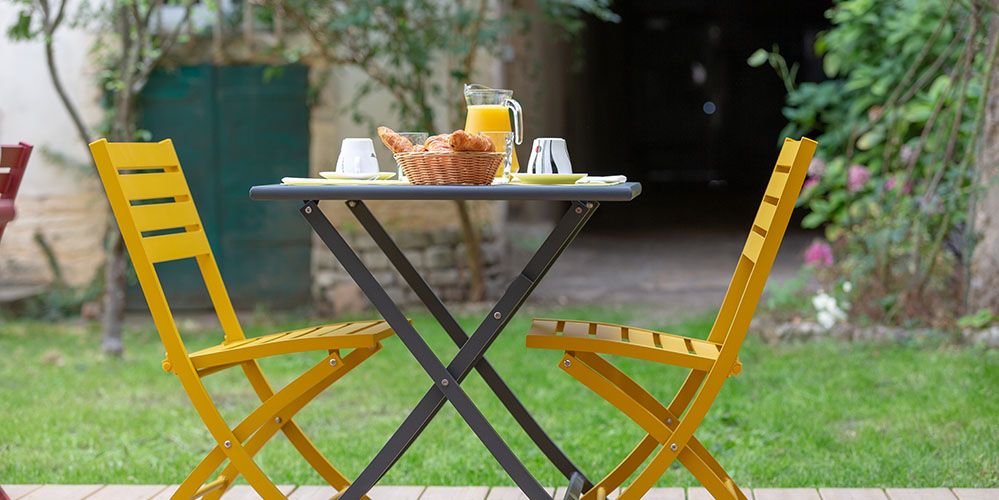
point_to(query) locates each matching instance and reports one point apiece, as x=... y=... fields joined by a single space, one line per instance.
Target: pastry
x=439 y=143
x=395 y=142
x=463 y=141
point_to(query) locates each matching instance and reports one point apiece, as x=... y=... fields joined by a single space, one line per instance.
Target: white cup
x=549 y=155
x=357 y=156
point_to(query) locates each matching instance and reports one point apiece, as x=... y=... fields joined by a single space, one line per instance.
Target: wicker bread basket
x=434 y=168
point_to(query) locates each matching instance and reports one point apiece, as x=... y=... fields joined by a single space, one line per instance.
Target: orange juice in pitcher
x=489 y=110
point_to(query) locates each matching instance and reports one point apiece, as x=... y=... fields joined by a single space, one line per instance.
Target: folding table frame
x=471 y=353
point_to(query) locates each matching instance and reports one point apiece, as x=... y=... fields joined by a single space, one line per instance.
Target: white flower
x=826 y=320
x=847 y=287
x=828 y=312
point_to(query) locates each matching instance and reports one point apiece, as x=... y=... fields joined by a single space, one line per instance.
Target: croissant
x=394 y=141
x=439 y=143
x=463 y=141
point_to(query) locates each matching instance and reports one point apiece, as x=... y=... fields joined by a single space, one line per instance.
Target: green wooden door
x=233 y=127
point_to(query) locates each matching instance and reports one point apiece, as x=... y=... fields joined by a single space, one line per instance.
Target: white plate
x=547 y=178
x=380 y=176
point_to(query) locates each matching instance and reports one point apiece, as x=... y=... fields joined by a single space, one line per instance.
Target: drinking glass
x=416 y=138
x=502 y=143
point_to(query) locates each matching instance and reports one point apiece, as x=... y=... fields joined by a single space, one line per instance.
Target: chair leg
x=617 y=388
x=294 y=433
x=234 y=451
x=262 y=424
x=667 y=415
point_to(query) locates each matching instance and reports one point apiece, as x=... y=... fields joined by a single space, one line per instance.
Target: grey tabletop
x=619 y=192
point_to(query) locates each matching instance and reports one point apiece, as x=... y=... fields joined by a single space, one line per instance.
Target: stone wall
x=60 y=197
x=438 y=254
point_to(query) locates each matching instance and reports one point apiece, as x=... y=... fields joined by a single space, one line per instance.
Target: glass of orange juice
x=494 y=110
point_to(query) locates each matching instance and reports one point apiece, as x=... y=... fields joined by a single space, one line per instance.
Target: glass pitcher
x=489 y=110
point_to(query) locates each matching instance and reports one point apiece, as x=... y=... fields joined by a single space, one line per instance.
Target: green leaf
x=758 y=58
x=870 y=139
x=813 y=220
x=830 y=65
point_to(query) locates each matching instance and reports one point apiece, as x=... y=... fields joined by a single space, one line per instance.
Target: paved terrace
x=129 y=492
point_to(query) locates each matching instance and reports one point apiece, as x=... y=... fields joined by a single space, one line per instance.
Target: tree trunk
x=984 y=284
x=114 y=297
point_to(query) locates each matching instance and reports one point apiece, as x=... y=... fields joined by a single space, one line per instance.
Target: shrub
x=898 y=121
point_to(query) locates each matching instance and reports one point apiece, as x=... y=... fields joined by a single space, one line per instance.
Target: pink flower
x=856 y=177
x=906 y=153
x=817 y=168
x=810 y=182
x=891 y=184
x=819 y=254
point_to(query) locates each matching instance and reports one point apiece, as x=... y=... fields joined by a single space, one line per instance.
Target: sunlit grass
x=816 y=414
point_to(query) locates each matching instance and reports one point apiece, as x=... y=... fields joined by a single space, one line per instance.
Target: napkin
x=603 y=180
x=309 y=181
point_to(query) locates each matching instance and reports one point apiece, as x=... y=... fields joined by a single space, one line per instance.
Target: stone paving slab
x=243 y=492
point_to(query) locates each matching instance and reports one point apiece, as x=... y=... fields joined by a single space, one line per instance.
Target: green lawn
x=816 y=414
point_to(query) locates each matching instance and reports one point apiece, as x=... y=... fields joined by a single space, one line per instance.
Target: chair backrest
x=757 y=257
x=152 y=204
x=13 y=161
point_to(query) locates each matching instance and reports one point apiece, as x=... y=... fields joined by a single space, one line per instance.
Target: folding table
x=446 y=380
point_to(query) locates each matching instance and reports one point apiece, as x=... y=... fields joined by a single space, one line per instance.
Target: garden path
x=671 y=274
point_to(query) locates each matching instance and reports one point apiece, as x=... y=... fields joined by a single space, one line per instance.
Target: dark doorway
x=233 y=127
x=666 y=97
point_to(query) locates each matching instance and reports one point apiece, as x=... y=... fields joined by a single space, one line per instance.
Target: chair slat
x=165 y=215
x=139 y=155
x=176 y=246
x=641 y=337
x=672 y=343
x=543 y=327
x=704 y=349
x=787 y=153
x=609 y=332
x=154 y=185
x=777 y=182
x=576 y=329
x=754 y=244
x=765 y=216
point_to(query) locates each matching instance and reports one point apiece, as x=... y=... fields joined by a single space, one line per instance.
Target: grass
x=816 y=414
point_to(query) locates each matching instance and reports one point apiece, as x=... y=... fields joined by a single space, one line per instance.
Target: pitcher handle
x=518 y=120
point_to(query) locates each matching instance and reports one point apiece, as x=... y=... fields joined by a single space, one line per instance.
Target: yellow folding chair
x=152 y=204
x=710 y=361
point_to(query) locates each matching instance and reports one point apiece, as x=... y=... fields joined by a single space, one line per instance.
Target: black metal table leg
x=472 y=350
x=433 y=303
x=446 y=386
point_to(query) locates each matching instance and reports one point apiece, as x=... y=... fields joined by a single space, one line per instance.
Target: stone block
x=376 y=260
x=445 y=277
x=412 y=239
x=438 y=257
x=445 y=236
x=417 y=257
x=346 y=298
x=385 y=278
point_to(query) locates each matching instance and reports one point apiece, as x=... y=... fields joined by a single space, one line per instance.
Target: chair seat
x=351 y=335
x=619 y=340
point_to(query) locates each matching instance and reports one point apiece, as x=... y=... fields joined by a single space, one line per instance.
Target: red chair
x=13 y=160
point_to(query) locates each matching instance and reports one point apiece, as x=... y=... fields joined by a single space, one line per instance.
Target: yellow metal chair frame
x=710 y=361
x=150 y=174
